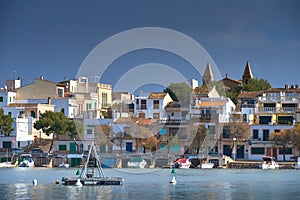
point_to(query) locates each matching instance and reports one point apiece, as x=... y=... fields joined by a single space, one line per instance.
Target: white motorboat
x=269 y=163
x=182 y=163
x=64 y=165
x=207 y=165
x=136 y=162
x=26 y=160
x=297 y=166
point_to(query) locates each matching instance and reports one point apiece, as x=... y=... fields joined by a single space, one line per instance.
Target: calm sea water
x=16 y=183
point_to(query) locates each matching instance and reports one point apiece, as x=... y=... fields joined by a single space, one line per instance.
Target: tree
x=179 y=92
x=283 y=138
x=296 y=136
x=254 y=85
x=146 y=138
x=239 y=130
x=199 y=133
x=55 y=123
x=5 y=123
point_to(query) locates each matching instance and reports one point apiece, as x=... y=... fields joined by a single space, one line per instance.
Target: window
x=226 y=132
x=286 y=151
x=285 y=119
x=266 y=135
x=60 y=92
x=104 y=100
x=244 y=117
x=143 y=104
x=62 y=147
x=1 y=99
x=255 y=133
x=155 y=115
x=258 y=150
x=156 y=104
x=265 y=119
x=6 y=145
x=89 y=131
x=33 y=114
x=62 y=110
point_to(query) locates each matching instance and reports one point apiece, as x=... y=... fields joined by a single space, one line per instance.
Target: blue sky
x=52 y=38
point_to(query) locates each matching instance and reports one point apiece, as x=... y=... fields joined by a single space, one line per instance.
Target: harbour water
x=16 y=183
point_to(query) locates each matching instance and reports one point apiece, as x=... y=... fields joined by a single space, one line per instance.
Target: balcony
x=205 y=117
x=276 y=109
x=173 y=122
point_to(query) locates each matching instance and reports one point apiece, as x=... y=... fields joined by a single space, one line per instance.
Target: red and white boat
x=182 y=163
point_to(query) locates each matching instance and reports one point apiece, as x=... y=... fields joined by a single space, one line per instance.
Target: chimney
x=292 y=86
x=49 y=100
x=286 y=86
x=296 y=86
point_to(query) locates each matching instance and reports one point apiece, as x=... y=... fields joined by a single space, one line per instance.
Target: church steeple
x=247 y=76
x=208 y=76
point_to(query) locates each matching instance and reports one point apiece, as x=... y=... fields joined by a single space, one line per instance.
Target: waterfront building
x=275 y=110
x=122 y=105
x=210 y=109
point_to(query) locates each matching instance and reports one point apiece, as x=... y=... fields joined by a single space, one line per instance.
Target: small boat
x=64 y=165
x=92 y=173
x=136 y=162
x=26 y=160
x=108 y=163
x=207 y=165
x=297 y=166
x=182 y=163
x=268 y=163
x=6 y=165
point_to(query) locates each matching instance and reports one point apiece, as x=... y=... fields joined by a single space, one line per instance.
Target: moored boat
x=268 y=163
x=136 y=162
x=26 y=160
x=207 y=165
x=92 y=173
x=182 y=163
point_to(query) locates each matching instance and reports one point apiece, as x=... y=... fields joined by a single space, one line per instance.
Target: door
x=129 y=146
x=275 y=153
x=227 y=150
x=268 y=152
x=72 y=147
x=240 y=151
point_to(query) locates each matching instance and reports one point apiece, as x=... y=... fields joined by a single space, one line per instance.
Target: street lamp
x=234 y=148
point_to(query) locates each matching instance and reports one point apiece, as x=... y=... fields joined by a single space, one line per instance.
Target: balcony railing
x=205 y=117
x=275 y=109
x=173 y=122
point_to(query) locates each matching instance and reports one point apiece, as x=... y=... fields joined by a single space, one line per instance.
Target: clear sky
x=52 y=38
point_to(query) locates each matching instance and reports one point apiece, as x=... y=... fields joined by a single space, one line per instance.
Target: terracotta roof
x=248 y=95
x=211 y=103
x=173 y=104
x=231 y=80
x=126 y=120
x=201 y=90
x=157 y=95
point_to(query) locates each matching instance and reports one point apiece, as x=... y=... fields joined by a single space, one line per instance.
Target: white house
x=152 y=105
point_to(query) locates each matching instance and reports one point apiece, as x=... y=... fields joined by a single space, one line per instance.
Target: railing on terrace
x=173 y=122
x=275 y=109
x=248 y=105
x=205 y=117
